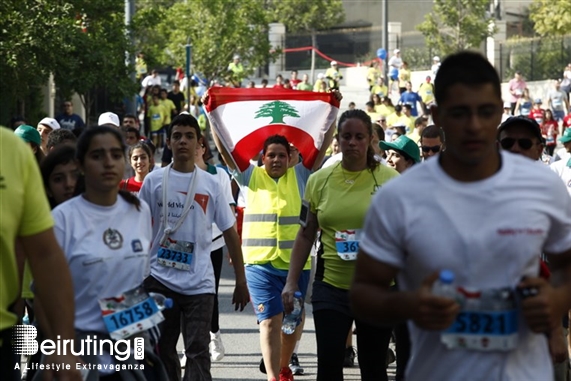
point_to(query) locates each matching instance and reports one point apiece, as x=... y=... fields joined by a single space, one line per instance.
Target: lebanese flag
x=244 y=118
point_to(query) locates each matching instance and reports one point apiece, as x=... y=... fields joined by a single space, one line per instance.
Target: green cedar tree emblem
x=276 y=110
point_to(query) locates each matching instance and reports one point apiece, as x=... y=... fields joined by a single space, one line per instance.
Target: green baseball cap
x=29 y=134
x=403 y=145
x=566 y=137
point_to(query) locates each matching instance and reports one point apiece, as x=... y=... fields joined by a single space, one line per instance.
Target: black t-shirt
x=177 y=99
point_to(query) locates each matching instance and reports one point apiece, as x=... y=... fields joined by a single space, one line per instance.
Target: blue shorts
x=558 y=115
x=266 y=284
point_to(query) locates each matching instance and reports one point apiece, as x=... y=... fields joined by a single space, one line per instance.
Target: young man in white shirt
x=181 y=269
x=488 y=217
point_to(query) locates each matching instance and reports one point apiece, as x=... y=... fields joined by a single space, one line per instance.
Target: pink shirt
x=516 y=89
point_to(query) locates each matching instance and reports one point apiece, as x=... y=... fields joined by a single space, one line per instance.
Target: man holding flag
x=273 y=192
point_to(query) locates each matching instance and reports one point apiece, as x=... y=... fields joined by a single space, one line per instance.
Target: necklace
x=349 y=181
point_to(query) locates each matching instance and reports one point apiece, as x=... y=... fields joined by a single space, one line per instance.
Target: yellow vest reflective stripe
x=271 y=218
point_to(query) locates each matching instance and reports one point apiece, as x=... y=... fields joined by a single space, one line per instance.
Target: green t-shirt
x=304 y=86
x=331 y=196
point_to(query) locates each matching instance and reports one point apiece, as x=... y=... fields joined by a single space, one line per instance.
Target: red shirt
x=567 y=121
x=131 y=185
x=537 y=114
x=295 y=82
x=549 y=130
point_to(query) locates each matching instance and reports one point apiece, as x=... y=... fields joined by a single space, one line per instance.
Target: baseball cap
x=320 y=76
x=537 y=101
x=507 y=105
x=333 y=63
x=236 y=57
x=403 y=145
x=29 y=134
x=109 y=118
x=436 y=58
x=51 y=123
x=566 y=137
x=396 y=51
x=523 y=121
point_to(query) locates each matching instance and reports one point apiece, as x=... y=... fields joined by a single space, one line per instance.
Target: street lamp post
x=188 y=57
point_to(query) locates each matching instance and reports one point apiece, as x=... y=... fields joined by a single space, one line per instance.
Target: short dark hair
x=276 y=139
x=264 y=81
x=132 y=116
x=432 y=132
x=56 y=137
x=184 y=120
x=133 y=129
x=466 y=68
x=418 y=121
x=61 y=155
x=176 y=82
x=370 y=104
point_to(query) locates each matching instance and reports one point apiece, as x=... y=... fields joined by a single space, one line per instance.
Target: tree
x=95 y=58
x=276 y=110
x=307 y=16
x=455 y=25
x=551 y=17
x=216 y=29
x=33 y=36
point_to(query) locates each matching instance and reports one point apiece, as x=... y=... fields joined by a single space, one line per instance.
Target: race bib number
x=347 y=244
x=132 y=312
x=487 y=323
x=176 y=255
x=156 y=116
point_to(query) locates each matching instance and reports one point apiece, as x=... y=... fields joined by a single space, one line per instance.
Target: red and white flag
x=244 y=118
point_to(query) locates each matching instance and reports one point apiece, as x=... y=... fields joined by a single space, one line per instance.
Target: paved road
x=240 y=337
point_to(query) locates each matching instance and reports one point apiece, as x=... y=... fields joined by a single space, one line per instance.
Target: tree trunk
x=314 y=46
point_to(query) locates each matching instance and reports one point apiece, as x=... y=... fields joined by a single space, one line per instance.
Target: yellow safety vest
x=271 y=219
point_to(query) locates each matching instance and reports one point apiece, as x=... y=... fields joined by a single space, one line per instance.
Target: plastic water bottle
x=444 y=285
x=290 y=320
x=161 y=300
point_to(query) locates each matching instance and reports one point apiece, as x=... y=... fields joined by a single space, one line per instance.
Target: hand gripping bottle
x=291 y=320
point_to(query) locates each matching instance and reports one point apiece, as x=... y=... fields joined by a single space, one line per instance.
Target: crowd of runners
x=451 y=177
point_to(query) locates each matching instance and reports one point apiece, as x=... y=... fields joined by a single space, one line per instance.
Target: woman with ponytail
x=337 y=199
x=105 y=234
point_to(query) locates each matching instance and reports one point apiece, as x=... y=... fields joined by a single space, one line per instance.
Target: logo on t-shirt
x=136 y=245
x=202 y=200
x=113 y=239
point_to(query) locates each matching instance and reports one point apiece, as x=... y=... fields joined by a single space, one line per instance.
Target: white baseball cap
x=51 y=123
x=109 y=118
x=507 y=105
x=333 y=63
x=396 y=51
x=320 y=76
x=436 y=58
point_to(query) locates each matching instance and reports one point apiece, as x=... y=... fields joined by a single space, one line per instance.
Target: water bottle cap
x=168 y=303
x=297 y=294
x=446 y=276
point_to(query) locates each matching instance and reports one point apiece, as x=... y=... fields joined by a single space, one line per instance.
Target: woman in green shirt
x=339 y=197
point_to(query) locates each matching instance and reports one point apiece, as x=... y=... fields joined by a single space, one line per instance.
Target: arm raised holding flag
x=245 y=121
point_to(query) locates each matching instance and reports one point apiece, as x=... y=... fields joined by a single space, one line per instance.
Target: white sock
x=296 y=347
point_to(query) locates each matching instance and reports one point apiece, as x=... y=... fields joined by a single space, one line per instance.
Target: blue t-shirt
x=410 y=98
x=70 y=122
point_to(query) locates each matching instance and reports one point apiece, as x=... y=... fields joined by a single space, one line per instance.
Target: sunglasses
x=434 y=149
x=508 y=143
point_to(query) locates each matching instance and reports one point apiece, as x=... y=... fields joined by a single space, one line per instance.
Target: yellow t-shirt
x=404 y=77
x=330 y=196
x=157 y=115
x=372 y=74
x=169 y=107
x=426 y=92
x=24 y=211
x=374 y=116
x=384 y=110
x=381 y=90
x=317 y=85
x=402 y=120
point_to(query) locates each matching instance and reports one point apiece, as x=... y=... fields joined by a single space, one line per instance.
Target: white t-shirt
x=104 y=263
x=224 y=179
x=561 y=154
x=151 y=81
x=209 y=205
x=490 y=233
x=563 y=171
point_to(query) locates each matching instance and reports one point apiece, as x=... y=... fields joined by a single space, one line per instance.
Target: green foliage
x=32 y=34
x=96 y=55
x=537 y=59
x=216 y=29
x=276 y=110
x=456 y=25
x=551 y=17
x=307 y=15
